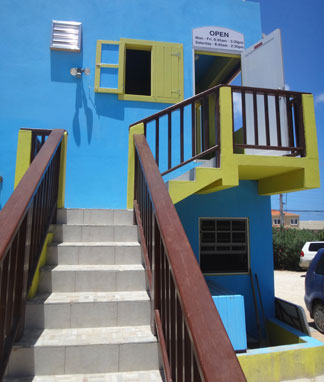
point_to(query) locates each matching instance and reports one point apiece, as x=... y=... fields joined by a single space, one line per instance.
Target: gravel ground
x=290 y=286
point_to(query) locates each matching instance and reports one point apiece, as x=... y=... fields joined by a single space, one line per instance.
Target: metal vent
x=66 y=35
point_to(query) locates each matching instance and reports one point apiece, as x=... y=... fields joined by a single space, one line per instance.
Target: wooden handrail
x=208 y=92
x=24 y=222
x=16 y=207
x=213 y=356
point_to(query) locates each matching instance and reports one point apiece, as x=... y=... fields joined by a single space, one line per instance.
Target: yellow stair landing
x=274 y=175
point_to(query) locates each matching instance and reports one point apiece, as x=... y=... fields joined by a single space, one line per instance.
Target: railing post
x=226 y=120
x=24 y=268
x=62 y=172
x=136 y=129
x=24 y=147
x=155 y=291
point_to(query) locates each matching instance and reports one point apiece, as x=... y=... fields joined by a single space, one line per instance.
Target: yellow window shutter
x=167 y=72
x=109 y=76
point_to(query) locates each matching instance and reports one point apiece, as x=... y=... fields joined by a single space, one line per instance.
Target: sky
x=302 y=31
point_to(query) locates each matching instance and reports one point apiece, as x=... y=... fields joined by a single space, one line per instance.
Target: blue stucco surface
x=37 y=90
x=245 y=202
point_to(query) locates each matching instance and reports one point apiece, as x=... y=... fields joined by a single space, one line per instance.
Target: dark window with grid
x=224 y=245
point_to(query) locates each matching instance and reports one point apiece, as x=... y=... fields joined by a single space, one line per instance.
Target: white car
x=308 y=252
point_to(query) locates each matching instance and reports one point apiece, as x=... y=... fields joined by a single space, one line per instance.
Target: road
x=290 y=286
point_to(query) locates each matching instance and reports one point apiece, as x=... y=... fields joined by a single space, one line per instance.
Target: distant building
x=316 y=225
x=290 y=220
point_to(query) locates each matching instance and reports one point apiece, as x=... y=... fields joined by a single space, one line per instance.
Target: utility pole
x=282 y=222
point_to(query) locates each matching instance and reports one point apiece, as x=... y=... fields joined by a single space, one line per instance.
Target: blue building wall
x=244 y=202
x=37 y=90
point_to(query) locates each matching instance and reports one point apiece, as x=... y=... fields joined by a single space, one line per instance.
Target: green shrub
x=288 y=243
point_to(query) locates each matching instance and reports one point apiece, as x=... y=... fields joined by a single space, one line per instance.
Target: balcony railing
x=269 y=120
x=264 y=121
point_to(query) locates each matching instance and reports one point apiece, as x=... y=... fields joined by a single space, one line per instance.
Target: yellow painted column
x=228 y=162
x=136 y=129
x=61 y=190
x=309 y=126
x=23 y=154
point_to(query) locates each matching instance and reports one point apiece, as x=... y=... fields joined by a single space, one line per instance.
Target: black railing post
x=24 y=268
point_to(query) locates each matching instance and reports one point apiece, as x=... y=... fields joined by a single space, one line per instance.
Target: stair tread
x=137 y=376
x=94 y=267
x=86 y=336
x=95 y=225
x=95 y=244
x=80 y=297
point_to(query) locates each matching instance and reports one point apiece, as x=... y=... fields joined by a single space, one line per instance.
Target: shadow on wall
x=81 y=98
x=108 y=105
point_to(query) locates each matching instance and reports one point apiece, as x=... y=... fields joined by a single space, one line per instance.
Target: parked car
x=308 y=252
x=314 y=290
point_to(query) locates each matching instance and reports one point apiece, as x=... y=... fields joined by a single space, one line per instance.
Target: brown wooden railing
x=195 y=121
x=24 y=222
x=194 y=343
x=266 y=119
x=39 y=137
x=270 y=120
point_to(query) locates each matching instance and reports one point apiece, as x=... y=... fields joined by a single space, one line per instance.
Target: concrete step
x=94 y=233
x=92 y=278
x=94 y=253
x=190 y=175
x=84 y=351
x=94 y=216
x=86 y=310
x=135 y=376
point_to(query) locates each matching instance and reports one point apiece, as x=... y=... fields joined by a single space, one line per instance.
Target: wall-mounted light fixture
x=66 y=35
x=77 y=72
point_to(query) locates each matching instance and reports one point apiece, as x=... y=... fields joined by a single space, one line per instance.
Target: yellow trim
x=62 y=174
x=274 y=174
x=136 y=129
x=283 y=365
x=166 y=70
x=42 y=260
x=113 y=66
x=97 y=69
x=23 y=154
x=100 y=65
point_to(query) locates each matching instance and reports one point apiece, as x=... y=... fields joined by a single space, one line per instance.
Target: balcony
x=231 y=133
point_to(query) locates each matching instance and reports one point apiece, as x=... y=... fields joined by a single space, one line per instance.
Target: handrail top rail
x=14 y=210
x=37 y=130
x=212 y=90
x=198 y=308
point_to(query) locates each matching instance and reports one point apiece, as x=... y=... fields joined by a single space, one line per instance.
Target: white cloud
x=319 y=98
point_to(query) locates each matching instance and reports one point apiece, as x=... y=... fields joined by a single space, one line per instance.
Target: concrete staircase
x=90 y=320
x=202 y=179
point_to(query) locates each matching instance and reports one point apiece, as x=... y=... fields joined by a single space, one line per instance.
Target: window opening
x=138 y=72
x=320 y=266
x=294 y=221
x=224 y=245
x=276 y=221
x=314 y=247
